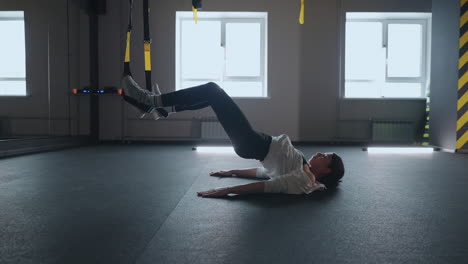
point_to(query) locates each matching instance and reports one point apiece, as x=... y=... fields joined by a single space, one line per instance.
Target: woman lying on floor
x=285 y=166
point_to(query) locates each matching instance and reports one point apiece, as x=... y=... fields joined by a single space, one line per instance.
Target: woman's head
x=328 y=168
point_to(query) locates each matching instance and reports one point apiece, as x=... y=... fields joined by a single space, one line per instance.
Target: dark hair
x=332 y=179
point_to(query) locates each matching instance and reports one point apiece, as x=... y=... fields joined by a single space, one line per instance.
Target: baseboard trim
x=16 y=147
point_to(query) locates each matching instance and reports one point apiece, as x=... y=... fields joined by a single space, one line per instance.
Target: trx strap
x=127 y=70
x=196 y=5
x=301 y=14
x=147 y=52
x=147 y=44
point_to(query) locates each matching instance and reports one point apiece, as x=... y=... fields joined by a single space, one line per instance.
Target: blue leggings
x=247 y=142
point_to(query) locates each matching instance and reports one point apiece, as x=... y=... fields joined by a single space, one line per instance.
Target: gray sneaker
x=158 y=112
x=136 y=96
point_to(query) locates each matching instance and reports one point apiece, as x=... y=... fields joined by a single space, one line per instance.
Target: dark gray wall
x=444 y=75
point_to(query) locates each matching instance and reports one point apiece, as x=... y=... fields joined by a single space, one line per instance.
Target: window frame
x=4 y=17
x=386 y=19
x=224 y=18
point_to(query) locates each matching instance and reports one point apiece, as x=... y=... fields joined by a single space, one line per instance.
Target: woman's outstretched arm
x=255 y=187
x=242 y=172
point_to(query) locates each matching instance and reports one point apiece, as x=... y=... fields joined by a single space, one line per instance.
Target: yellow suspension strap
x=301 y=14
x=147 y=41
x=127 y=70
x=147 y=52
x=147 y=44
x=462 y=102
x=196 y=5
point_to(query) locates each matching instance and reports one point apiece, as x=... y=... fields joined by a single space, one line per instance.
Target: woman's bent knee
x=213 y=89
x=213 y=85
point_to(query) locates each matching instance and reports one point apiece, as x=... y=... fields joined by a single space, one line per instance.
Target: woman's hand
x=222 y=173
x=221 y=192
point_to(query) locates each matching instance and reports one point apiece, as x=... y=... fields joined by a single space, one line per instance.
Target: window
x=386 y=55
x=12 y=52
x=228 y=48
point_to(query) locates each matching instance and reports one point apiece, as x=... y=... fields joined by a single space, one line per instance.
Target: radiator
x=212 y=129
x=393 y=130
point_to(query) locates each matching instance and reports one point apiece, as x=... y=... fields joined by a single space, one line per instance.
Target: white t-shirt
x=283 y=165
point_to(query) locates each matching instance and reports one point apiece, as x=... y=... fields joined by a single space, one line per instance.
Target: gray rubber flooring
x=138 y=204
